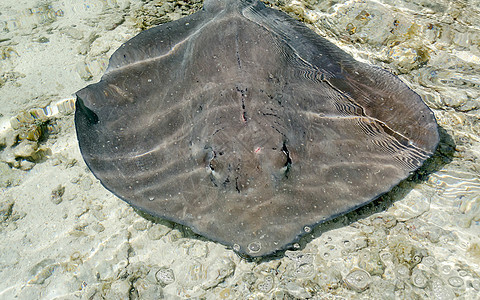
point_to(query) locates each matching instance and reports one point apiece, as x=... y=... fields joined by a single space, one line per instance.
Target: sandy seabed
x=65 y=237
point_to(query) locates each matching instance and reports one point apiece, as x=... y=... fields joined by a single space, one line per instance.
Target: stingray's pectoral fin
x=87 y=112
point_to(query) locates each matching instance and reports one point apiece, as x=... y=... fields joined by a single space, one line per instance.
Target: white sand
x=89 y=244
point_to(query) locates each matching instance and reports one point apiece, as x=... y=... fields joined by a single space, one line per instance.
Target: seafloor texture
x=64 y=236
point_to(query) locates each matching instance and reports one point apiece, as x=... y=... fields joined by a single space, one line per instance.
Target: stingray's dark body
x=243 y=124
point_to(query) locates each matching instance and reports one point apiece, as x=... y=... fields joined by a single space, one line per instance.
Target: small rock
x=157 y=231
x=26 y=165
x=8 y=176
x=73 y=33
x=57 y=194
x=86 y=183
x=119 y=289
x=165 y=276
x=218 y=271
x=26 y=149
x=141 y=225
x=98 y=227
x=42 y=270
x=6 y=208
x=83 y=71
x=147 y=290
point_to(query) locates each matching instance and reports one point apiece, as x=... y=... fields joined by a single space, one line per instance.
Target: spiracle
x=358 y=280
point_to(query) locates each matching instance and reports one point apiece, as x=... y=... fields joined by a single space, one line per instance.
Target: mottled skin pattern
x=243 y=124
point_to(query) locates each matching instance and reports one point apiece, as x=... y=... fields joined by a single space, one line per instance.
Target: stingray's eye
x=288 y=162
x=209 y=157
x=214 y=165
x=281 y=158
x=281 y=162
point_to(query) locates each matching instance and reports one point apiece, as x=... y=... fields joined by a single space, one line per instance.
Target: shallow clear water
x=65 y=236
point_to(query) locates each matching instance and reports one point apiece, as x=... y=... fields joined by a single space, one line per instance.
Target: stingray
x=244 y=125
